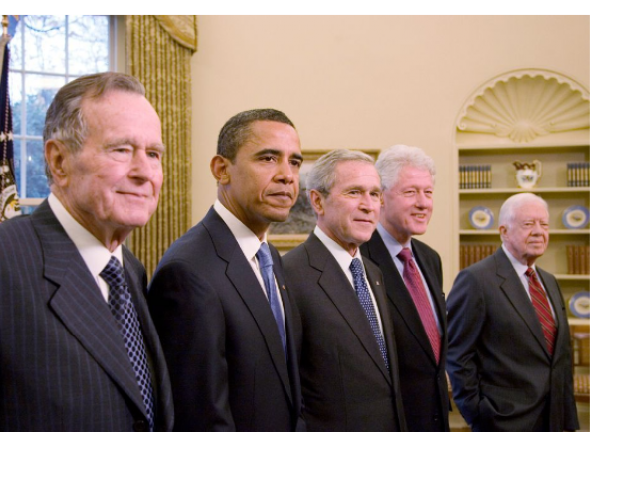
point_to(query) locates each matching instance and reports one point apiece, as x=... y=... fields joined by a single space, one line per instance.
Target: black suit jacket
x=423 y=381
x=503 y=377
x=64 y=364
x=345 y=383
x=222 y=344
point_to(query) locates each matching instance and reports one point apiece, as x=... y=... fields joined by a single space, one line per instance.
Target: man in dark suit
x=413 y=280
x=79 y=350
x=509 y=346
x=349 y=366
x=230 y=333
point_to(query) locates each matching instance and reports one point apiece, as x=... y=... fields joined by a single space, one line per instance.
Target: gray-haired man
x=413 y=278
x=349 y=367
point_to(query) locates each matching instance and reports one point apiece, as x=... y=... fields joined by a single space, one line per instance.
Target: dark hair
x=238 y=128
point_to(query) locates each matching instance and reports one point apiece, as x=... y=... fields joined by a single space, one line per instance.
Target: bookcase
x=522 y=116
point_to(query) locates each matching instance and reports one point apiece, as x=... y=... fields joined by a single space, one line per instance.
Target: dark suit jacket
x=423 y=381
x=345 y=383
x=224 y=352
x=64 y=364
x=502 y=374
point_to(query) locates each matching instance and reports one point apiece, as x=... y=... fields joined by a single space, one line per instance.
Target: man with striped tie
x=509 y=354
x=349 y=365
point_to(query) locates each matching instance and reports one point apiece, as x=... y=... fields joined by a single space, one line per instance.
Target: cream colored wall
x=369 y=82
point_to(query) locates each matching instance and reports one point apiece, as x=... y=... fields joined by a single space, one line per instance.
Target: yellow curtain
x=159 y=50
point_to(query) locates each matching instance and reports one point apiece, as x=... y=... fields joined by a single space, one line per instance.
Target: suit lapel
x=515 y=293
x=80 y=306
x=243 y=278
x=162 y=386
x=338 y=289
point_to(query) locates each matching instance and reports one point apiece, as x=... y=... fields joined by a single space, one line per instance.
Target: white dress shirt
x=521 y=270
x=344 y=259
x=394 y=247
x=249 y=244
x=93 y=252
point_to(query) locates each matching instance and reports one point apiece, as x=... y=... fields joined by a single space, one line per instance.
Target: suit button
x=140 y=426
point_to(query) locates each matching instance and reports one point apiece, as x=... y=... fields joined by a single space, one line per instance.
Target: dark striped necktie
x=543 y=309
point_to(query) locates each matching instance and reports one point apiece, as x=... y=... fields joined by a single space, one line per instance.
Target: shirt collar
x=248 y=241
x=519 y=267
x=93 y=252
x=391 y=243
x=343 y=257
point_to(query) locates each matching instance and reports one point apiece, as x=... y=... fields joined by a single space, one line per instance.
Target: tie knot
x=356 y=268
x=264 y=256
x=113 y=273
x=405 y=255
x=531 y=273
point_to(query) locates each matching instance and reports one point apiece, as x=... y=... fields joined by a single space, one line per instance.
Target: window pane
x=15 y=46
x=88 y=44
x=15 y=93
x=40 y=90
x=44 y=43
x=37 y=186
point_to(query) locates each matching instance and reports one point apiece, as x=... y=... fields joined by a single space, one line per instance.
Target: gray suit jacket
x=503 y=377
x=345 y=383
x=64 y=364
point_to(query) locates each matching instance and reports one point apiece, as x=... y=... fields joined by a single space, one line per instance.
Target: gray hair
x=392 y=160
x=322 y=175
x=236 y=131
x=514 y=203
x=65 y=121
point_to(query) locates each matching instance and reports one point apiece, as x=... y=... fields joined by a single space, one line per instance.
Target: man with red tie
x=509 y=345
x=413 y=279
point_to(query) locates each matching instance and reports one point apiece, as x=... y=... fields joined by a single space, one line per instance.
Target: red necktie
x=413 y=281
x=543 y=310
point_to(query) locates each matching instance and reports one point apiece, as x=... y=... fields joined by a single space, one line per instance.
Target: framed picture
x=301 y=221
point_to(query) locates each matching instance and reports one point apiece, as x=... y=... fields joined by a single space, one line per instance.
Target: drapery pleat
x=163 y=65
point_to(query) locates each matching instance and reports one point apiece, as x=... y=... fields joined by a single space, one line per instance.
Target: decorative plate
x=580 y=305
x=481 y=218
x=575 y=216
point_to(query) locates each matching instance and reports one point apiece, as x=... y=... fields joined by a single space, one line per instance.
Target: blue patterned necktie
x=266 y=269
x=357 y=271
x=125 y=314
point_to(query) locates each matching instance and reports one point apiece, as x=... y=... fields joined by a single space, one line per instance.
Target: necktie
x=266 y=269
x=357 y=271
x=542 y=308
x=413 y=281
x=127 y=318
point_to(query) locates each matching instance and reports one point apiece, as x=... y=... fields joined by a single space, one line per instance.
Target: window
x=47 y=52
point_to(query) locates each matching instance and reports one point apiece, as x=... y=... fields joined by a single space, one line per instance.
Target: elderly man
x=78 y=348
x=509 y=347
x=230 y=332
x=349 y=366
x=413 y=280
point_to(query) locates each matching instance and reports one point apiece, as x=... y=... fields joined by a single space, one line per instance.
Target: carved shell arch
x=526 y=104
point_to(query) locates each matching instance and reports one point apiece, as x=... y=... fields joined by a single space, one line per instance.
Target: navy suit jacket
x=227 y=365
x=345 y=383
x=503 y=377
x=423 y=381
x=63 y=364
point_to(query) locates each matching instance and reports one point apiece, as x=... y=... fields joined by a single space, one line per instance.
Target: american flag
x=8 y=190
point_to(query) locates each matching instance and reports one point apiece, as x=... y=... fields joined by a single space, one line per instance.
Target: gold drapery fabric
x=163 y=65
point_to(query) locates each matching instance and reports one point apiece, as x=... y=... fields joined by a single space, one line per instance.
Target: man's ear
x=57 y=156
x=317 y=202
x=220 y=169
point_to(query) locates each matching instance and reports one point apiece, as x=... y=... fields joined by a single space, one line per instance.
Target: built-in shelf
x=559 y=231
x=491 y=191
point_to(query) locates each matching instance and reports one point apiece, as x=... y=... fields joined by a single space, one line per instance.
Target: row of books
x=475 y=176
x=578 y=260
x=470 y=254
x=578 y=174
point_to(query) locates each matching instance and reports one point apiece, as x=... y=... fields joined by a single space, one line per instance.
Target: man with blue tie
x=219 y=298
x=413 y=279
x=349 y=366
x=79 y=351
